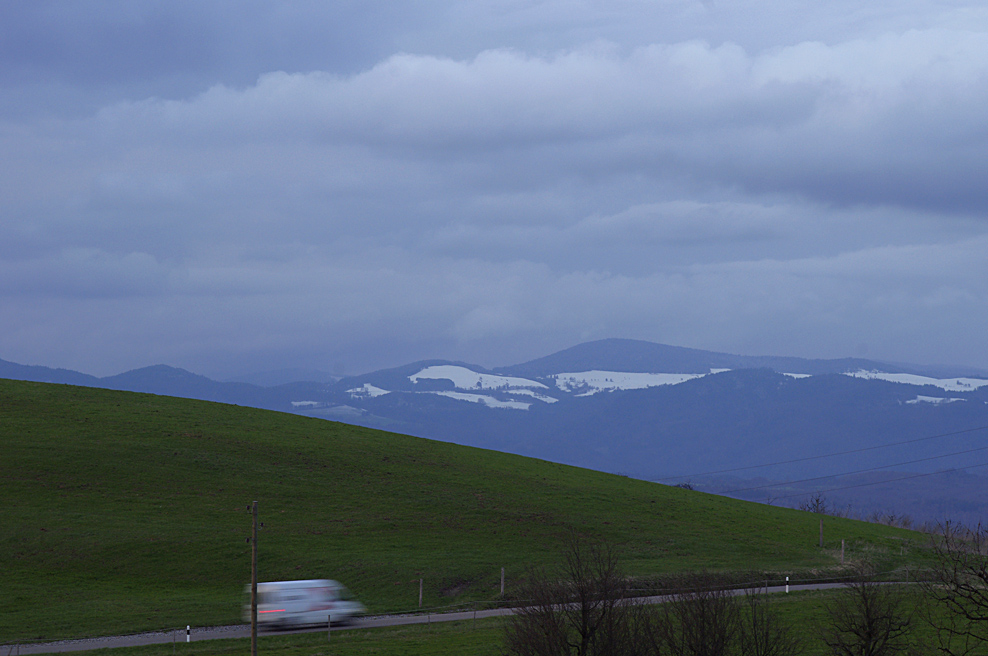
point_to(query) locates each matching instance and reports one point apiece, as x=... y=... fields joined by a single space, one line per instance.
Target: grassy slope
x=125 y=512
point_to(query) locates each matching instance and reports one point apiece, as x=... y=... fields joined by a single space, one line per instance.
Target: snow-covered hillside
x=464 y=378
x=519 y=393
x=946 y=384
x=586 y=383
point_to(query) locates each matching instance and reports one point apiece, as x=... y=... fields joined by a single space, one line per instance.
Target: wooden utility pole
x=253 y=583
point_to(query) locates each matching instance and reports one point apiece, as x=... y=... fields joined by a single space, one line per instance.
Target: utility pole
x=253 y=582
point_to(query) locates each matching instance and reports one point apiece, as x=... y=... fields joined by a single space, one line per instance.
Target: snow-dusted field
x=367 y=391
x=603 y=381
x=464 y=378
x=489 y=401
x=946 y=384
x=935 y=400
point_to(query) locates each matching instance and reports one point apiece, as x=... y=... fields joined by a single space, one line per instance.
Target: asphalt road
x=197 y=634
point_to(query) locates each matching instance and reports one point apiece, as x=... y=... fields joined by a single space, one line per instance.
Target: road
x=197 y=634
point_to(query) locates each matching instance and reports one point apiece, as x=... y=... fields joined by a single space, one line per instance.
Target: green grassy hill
x=125 y=512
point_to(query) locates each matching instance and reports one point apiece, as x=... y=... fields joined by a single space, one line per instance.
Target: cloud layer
x=757 y=194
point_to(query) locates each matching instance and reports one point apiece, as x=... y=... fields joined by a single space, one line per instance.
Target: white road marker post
x=787 y=585
x=188 y=633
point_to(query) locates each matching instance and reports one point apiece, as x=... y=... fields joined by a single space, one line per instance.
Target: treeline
x=818 y=503
x=587 y=607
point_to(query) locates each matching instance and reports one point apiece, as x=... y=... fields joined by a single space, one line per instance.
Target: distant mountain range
x=717 y=421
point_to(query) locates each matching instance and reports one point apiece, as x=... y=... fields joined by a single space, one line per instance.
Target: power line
x=827 y=455
x=858 y=471
x=891 y=480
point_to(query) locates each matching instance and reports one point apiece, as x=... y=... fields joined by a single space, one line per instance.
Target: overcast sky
x=242 y=186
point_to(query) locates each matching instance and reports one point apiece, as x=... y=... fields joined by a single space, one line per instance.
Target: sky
x=235 y=187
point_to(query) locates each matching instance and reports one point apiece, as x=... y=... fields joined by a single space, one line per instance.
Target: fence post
x=420 y=593
x=502 y=581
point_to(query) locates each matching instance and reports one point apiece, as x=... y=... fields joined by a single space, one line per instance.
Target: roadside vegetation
x=126 y=512
x=806 y=612
x=586 y=607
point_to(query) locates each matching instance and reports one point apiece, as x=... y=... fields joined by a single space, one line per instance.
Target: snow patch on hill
x=591 y=382
x=464 y=378
x=489 y=401
x=367 y=391
x=587 y=383
x=935 y=400
x=946 y=384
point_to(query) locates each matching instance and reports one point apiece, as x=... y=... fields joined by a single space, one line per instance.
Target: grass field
x=125 y=512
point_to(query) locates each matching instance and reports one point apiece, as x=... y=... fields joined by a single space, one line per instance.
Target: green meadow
x=125 y=512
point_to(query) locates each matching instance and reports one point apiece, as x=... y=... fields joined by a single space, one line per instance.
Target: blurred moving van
x=282 y=604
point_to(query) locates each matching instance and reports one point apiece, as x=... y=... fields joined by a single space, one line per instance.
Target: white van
x=283 y=604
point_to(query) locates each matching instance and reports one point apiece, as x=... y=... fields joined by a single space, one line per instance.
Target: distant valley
x=752 y=427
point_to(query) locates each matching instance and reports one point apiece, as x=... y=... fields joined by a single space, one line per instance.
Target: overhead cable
x=826 y=455
x=891 y=480
x=858 y=471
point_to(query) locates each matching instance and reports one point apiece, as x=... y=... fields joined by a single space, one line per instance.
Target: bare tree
x=868 y=618
x=762 y=633
x=538 y=628
x=817 y=503
x=595 y=587
x=581 y=611
x=584 y=609
x=958 y=591
x=701 y=619
x=708 y=616
x=890 y=518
